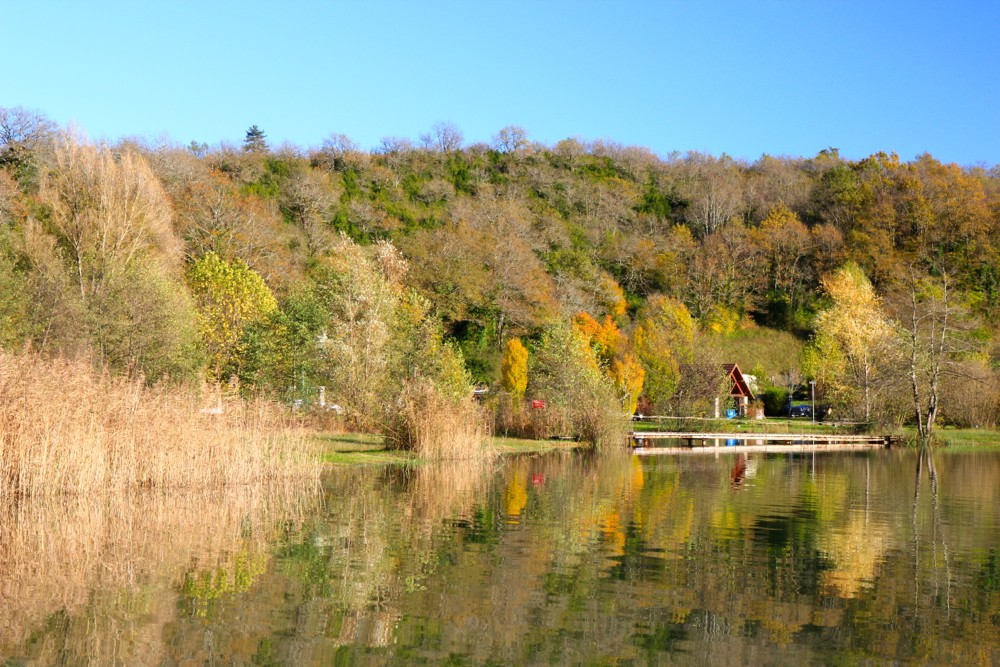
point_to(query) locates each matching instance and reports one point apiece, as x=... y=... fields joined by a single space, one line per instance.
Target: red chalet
x=739 y=392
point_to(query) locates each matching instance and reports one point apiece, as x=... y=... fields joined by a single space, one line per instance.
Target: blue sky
x=744 y=78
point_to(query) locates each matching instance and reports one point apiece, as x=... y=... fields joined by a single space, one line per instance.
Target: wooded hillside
x=294 y=268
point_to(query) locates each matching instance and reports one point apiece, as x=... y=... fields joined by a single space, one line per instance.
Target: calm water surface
x=855 y=558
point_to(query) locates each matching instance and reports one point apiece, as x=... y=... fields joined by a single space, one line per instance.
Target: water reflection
x=564 y=558
x=87 y=580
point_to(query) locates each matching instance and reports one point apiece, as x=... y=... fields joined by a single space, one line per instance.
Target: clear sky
x=743 y=78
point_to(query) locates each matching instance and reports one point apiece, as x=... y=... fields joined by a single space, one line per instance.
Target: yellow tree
x=628 y=376
x=664 y=335
x=854 y=339
x=786 y=243
x=229 y=296
x=514 y=368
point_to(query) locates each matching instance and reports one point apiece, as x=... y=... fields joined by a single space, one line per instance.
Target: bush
x=775 y=402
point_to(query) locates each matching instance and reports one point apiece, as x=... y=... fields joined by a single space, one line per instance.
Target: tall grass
x=438 y=427
x=66 y=429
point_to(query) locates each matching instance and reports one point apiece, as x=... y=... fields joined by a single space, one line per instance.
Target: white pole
x=812 y=392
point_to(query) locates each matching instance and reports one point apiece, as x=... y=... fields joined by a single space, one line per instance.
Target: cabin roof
x=740 y=386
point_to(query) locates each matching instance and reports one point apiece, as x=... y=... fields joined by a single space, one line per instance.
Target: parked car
x=800 y=411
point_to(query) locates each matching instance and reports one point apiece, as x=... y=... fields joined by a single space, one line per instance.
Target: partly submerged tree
x=935 y=335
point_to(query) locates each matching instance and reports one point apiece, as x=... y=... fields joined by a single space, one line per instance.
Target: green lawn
x=960 y=438
x=368 y=449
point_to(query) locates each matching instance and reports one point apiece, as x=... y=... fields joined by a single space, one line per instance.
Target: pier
x=757 y=442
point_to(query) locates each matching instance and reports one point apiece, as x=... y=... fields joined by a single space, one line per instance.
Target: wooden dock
x=786 y=448
x=757 y=442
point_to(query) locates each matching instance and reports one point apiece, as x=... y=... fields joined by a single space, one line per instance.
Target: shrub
x=775 y=401
x=579 y=400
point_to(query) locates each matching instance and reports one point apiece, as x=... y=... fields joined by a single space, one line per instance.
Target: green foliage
x=479 y=347
x=775 y=401
x=281 y=351
x=460 y=174
x=657 y=203
x=499 y=241
x=15 y=302
x=229 y=297
x=578 y=396
x=255 y=140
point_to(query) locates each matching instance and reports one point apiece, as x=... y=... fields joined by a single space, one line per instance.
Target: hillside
x=101 y=246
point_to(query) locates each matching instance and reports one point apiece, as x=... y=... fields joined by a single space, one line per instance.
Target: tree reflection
x=566 y=558
x=86 y=577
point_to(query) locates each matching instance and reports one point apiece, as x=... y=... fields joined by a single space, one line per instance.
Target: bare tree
x=23 y=127
x=935 y=330
x=22 y=132
x=443 y=137
x=510 y=139
x=716 y=191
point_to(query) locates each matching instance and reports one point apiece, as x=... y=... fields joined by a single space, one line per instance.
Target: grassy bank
x=962 y=438
x=367 y=449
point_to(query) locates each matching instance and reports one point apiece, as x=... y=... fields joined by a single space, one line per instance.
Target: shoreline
x=368 y=449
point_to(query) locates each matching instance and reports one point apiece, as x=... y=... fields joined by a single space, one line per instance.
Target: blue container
x=731 y=413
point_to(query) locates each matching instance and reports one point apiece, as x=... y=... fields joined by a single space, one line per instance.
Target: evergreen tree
x=255 y=141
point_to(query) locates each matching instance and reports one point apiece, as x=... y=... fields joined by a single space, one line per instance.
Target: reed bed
x=65 y=429
x=601 y=425
x=439 y=427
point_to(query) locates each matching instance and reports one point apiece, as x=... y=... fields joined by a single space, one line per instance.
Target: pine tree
x=255 y=141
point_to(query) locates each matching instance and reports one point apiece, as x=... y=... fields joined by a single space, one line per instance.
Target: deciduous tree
x=935 y=332
x=852 y=349
x=664 y=335
x=229 y=297
x=109 y=235
x=514 y=368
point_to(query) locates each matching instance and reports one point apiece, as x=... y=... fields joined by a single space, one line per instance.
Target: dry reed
x=66 y=429
x=601 y=425
x=438 y=427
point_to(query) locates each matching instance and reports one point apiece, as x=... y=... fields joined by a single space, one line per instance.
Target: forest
x=595 y=278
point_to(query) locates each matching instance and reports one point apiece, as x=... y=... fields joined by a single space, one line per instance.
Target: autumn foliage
x=367 y=273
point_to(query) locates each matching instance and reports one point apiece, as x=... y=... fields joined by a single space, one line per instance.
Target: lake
x=868 y=557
